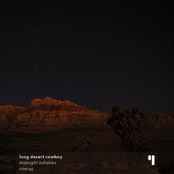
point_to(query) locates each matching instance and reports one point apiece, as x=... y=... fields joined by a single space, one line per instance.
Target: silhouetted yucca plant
x=126 y=125
x=142 y=114
x=88 y=145
x=115 y=108
x=127 y=111
x=135 y=110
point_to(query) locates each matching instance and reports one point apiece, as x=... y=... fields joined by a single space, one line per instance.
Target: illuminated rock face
x=50 y=114
x=49 y=104
x=45 y=107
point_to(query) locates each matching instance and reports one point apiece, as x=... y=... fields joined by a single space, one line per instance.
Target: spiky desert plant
x=88 y=145
x=135 y=110
x=115 y=108
x=126 y=125
x=142 y=114
x=127 y=111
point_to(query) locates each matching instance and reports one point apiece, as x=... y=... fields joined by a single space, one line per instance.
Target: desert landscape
x=49 y=125
x=65 y=68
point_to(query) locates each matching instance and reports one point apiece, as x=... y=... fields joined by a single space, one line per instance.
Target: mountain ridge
x=51 y=115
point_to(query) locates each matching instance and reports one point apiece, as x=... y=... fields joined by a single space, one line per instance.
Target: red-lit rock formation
x=44 y=107
x=51 y=114
x=49 y=104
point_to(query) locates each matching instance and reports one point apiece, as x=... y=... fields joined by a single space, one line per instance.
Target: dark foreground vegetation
x=11 y=143
x=123 y=136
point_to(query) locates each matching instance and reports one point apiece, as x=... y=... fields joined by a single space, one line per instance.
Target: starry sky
x=93 y=53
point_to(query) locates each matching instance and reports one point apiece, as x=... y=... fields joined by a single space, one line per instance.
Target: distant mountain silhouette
x=50 y=115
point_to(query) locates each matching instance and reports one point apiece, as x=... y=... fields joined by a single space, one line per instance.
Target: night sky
x=93 y=53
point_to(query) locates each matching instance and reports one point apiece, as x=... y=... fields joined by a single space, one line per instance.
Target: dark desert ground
x=162 y=141
x=54 y=126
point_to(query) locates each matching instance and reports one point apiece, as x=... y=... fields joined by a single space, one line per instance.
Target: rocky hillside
x=50 y=115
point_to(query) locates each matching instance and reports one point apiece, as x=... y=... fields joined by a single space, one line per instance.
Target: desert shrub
x=121 y=114
x=88 y=145
x=126 y=126
x=127 y=111
x=135 y=110
x=142 y=114
x=115 y=108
